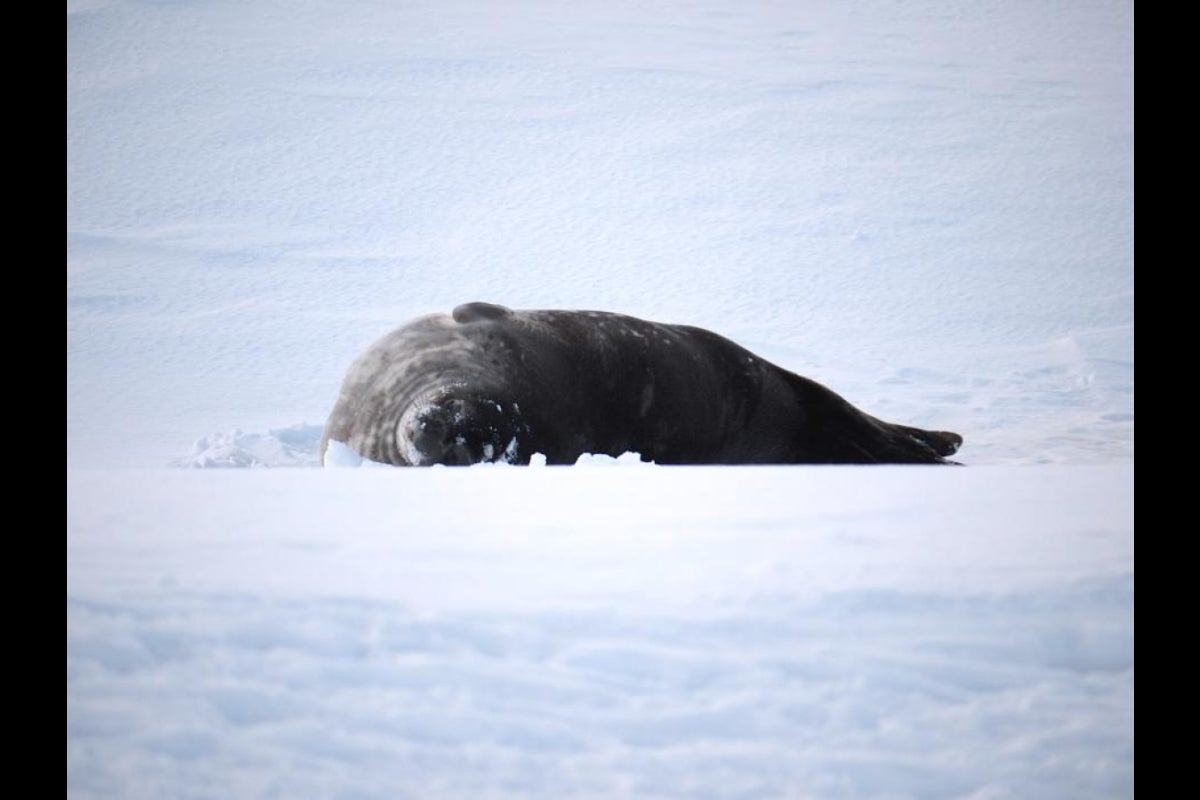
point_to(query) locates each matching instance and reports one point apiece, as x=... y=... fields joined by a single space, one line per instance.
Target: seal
x=488 y=383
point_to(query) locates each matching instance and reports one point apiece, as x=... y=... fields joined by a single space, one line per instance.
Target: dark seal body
x=487 y=383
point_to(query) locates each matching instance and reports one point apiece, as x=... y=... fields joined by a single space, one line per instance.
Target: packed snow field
x=927 y=207
x=516 y=633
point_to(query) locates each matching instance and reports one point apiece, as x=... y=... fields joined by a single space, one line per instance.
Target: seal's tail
x=944 y=443
x=889 y=443
x=837 y=432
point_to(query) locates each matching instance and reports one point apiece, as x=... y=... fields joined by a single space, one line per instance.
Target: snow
x=506 y=632
x=339 y=455
x=926 y=206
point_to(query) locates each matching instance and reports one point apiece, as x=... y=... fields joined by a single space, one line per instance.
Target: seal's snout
x=454 y=431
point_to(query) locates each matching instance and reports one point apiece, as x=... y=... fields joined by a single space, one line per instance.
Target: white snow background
x=927 y=206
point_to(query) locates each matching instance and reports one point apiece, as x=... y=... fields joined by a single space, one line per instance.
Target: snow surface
x=568 y=633
x=926 y=206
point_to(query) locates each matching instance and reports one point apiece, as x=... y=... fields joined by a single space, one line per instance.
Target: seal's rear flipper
x=944 y=443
